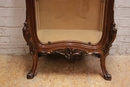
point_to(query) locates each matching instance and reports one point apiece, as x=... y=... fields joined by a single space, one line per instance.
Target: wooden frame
x=69 y=48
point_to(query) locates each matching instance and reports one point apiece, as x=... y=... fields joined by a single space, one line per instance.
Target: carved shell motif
x=68 y=52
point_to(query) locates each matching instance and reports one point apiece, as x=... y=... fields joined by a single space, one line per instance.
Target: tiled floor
x=84 y=72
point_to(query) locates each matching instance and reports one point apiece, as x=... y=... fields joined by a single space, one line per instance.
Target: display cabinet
x=69 y=28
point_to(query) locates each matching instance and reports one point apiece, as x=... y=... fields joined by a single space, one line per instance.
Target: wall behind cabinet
x=12 y=17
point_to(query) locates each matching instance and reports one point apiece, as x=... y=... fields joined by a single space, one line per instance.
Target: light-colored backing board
x=69 y=14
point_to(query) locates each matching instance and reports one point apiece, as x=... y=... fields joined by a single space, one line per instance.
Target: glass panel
x=69 y=20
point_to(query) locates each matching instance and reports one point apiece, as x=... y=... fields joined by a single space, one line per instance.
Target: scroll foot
x=107 y=77
x=30 y=76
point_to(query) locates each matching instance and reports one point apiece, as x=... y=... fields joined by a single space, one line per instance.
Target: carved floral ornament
x=68 y=52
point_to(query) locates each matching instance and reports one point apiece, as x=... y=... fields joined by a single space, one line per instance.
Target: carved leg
x=30 y=75
x=107 y=76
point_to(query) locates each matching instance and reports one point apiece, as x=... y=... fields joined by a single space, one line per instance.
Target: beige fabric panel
x=69 y=35
x=69 y=14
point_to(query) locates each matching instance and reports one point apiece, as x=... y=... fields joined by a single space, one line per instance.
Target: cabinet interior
x=75 y=20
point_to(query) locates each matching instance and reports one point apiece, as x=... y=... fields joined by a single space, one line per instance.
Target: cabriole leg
x=107 y=76
x=30 y=75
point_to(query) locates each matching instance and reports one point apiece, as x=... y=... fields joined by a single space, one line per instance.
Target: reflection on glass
x=69 y=20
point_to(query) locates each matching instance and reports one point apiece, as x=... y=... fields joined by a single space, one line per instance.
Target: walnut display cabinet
x=69 y=28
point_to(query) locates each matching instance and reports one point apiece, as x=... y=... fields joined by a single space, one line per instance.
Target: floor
x=60 y=72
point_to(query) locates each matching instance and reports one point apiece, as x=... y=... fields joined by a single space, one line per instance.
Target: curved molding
x=111 y=38
x=28 y=38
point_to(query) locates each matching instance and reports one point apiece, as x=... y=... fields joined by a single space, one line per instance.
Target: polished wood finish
x=69 y=48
